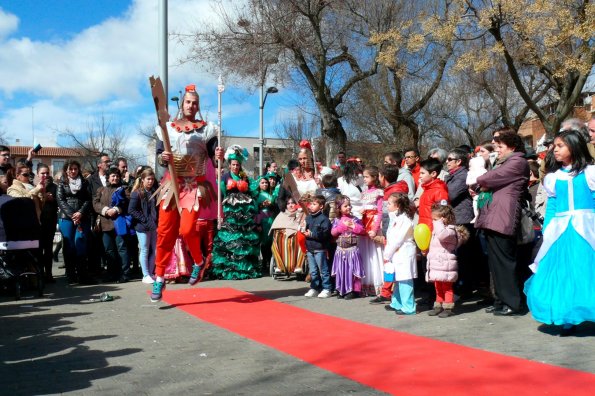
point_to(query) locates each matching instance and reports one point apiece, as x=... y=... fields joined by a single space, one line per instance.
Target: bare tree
x=3 y=137
x=415 y=57
x=470 y=105
x=295 y=130
x=100 y=136
x=543 y=44
x=466 y=109
x=303 y=127
x=323 y=45
x=518 y=56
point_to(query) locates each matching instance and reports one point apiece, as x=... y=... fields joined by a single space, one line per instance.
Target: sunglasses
x=26 y=174
x=451 y=159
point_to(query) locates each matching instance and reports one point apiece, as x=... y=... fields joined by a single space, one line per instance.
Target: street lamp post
x=245 y=24
x=263 y=98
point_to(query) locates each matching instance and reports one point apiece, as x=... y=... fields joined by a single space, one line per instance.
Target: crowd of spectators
x=105 y=217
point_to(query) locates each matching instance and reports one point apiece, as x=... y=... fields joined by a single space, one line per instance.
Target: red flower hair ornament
x=306 y=144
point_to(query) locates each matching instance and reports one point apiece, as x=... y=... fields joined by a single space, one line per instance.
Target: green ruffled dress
x=236 y=246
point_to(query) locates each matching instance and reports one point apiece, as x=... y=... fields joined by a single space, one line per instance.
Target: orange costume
x=193 y=147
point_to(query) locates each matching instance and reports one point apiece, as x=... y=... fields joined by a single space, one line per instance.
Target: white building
x=277 y=150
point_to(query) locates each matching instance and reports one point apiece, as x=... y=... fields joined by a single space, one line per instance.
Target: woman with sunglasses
x=457 y=162
x=22 y=187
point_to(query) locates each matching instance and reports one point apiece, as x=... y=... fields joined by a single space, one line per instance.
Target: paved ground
x=70 y=343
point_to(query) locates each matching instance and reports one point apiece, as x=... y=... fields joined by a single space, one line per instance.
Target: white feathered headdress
x=236 y=152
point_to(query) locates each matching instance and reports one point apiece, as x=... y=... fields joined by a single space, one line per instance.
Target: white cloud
x=111 y=59
x=104 y=70
x=46 y=120
x=8 y=24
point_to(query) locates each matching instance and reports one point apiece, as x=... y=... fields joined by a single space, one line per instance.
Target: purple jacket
x=442 y=261
x=508 y=183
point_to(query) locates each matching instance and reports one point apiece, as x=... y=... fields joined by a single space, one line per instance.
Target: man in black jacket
x=97 y=180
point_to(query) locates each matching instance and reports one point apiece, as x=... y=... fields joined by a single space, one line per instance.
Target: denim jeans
x=75 y=240
x=75 y=237
x=319 y=270
x=117 y=254
x=146 y=256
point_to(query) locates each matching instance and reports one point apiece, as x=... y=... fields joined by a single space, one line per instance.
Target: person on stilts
x=194 y=153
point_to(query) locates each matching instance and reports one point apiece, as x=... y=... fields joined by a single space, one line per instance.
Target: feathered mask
x=237 y=153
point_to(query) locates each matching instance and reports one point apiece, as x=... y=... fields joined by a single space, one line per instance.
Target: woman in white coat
x=400 y=266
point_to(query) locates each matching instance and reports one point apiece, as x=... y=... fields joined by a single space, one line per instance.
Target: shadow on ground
x=586 y=329
x=37 y=356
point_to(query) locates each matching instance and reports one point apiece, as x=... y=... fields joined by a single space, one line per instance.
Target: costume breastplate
x=190 y=150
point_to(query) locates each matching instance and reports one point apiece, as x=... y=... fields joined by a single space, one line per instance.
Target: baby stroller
x=19 y=241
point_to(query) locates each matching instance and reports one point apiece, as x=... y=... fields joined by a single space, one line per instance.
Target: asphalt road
x=68 y=342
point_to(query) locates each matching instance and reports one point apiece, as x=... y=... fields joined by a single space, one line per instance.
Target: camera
x=37 y=148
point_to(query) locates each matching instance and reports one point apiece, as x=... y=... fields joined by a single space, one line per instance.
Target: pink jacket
x=442 y=262
x=340 y=229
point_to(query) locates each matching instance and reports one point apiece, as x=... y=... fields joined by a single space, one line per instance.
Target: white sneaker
x=311 y=293
x=324 y=294
x=148 y=279
x=298 y=270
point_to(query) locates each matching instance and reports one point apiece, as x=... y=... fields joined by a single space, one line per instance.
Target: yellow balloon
x=422 y=236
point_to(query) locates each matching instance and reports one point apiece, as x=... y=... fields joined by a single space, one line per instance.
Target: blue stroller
x=19 y=243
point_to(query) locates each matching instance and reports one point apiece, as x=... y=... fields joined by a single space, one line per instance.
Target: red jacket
x=397 y=187
x=434 y=191
x=415 y=173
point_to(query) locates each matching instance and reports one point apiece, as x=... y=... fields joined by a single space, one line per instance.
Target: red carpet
x=387 y=360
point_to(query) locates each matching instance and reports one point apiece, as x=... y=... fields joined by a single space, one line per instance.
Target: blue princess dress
x=562 y=288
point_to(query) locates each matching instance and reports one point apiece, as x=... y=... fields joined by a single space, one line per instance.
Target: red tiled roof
x=46 y=151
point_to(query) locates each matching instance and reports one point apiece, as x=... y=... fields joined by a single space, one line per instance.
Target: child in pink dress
x=371 y=252
x=347 y=263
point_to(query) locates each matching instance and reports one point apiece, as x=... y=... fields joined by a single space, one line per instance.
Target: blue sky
x=64 y=63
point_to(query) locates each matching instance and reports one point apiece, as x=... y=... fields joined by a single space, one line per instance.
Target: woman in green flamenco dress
x=236 y=245
x=267 y=211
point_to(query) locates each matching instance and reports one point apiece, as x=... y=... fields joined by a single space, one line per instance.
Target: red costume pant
x=444 y=292
x=206 y=234
x=171 y=224
x=387 y=289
